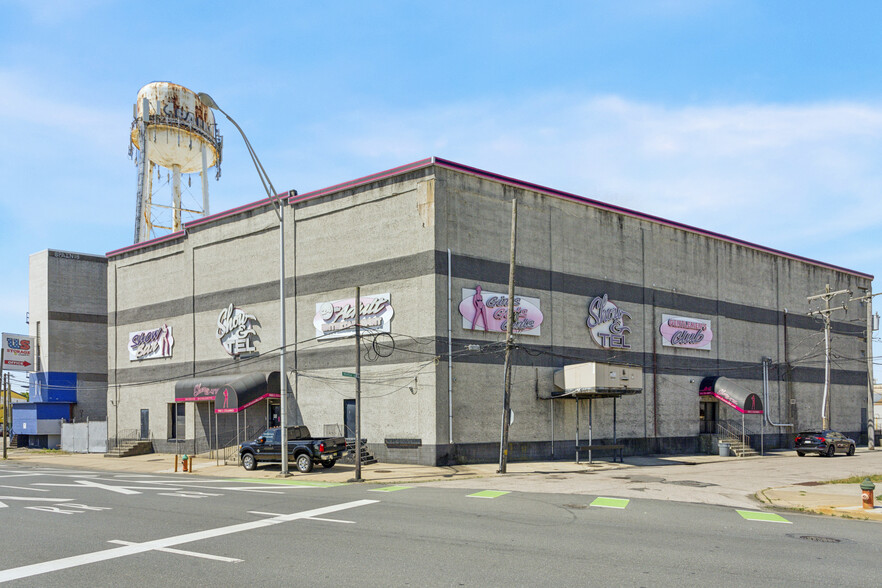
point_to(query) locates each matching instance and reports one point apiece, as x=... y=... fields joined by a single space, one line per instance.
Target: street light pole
x=280 y=212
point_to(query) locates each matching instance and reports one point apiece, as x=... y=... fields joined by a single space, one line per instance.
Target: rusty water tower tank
x=171 y=129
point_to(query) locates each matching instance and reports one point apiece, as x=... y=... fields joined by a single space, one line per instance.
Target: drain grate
x=819 y=539
x=579 y=506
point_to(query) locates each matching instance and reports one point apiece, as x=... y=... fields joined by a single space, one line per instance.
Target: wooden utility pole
x=509 y=343
x=825 y=313
x=358 y=383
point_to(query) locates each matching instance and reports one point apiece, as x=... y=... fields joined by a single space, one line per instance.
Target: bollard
x=184 y=461
x=176 y=463
x=867 y=488
x=191 y=464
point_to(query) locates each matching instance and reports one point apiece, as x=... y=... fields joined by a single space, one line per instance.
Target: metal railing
x=123 y=436
x=725 y=430
x=334 y=430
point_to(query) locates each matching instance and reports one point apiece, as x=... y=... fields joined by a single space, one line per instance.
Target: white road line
x=329 y=520
x=108 y=554
x=183 y=552
x=269 y=514
x=30 y=499
x=26 y=488
x=100 y=486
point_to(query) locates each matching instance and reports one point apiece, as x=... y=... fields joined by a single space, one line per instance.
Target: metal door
x=349 y=418
x=145 y=423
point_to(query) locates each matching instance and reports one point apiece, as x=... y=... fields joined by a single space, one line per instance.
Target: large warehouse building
x=193 y=325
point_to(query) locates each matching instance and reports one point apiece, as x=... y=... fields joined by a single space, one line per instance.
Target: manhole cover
x=819 y=539
x=798 y=484
x=644 y=479
x=692 y=483
x=381 y=471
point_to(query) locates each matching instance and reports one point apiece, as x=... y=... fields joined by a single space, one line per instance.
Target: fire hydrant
x=185 y=462
x=867 y=488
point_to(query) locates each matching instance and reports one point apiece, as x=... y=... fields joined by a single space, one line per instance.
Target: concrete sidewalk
x=779 y=479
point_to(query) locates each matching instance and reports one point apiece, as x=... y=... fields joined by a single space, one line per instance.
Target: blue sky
x=760 y=120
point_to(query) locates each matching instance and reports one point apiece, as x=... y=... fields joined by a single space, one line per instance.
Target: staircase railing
x=123 y=436
x=724 y=430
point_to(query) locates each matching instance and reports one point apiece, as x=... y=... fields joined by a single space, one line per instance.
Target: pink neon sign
x=486 y=311
x=692 y=333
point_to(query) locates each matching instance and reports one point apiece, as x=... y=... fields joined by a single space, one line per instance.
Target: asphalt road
x=78 y=528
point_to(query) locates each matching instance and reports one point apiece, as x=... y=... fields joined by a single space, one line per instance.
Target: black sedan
x=825 y=443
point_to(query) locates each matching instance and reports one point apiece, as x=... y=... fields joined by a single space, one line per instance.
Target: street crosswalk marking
x=303 y=483
x=604 y=502
x=487 y=494
x=64 y=563
x=766 y=517
x=183 y=552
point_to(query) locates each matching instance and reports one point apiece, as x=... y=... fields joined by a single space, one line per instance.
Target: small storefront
x=231 y=408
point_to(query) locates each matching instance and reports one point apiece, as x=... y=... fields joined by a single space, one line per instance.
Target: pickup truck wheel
x=329 y=464
x=248 y=462
x=304 y=463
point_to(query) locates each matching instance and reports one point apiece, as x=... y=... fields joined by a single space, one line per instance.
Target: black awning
x=731 y=393
x=230 y=393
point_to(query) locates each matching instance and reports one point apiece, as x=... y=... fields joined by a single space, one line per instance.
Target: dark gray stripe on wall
x=530 y=356
x=78 y=317
x=483 y=270
x=479 y=270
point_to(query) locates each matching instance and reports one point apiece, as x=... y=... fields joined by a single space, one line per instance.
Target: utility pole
x=358 y=383
x=871 y=433
x=825 y=312
x=509 y=344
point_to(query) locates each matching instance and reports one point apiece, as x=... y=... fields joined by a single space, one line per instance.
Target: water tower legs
x=176 y=195
x=204 y=181
x=147 y=203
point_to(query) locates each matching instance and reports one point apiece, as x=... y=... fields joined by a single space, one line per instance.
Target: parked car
x=825 y=443
x=303 y=449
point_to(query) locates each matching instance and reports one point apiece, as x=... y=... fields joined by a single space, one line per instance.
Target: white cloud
x=787 y=176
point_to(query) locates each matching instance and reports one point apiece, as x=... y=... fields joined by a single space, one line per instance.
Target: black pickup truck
x=303 y=449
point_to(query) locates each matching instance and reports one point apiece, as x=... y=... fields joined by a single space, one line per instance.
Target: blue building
x=52 y=398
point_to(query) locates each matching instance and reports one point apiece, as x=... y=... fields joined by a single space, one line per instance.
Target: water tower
x=173 y=130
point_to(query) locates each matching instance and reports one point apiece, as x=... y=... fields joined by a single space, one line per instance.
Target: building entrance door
x=349 y=418
x=707 y=417
x=145 y=423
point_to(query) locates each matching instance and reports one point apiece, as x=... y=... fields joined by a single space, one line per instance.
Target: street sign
x=18 y=353
x=349 y=375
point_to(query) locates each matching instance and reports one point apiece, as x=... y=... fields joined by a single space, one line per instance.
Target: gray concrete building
x=193 y=324
x=67 y=298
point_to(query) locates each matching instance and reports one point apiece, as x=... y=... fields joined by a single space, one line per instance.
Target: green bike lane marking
x=766 y=517
x=487 y=494
x=289 y=482
x=390 y=489
x=604 y=502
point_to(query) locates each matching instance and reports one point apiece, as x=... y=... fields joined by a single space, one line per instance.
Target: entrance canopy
x=731 y=393
x=230 y=393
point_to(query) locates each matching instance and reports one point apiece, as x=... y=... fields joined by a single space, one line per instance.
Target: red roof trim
x=156 y=241
x=365 y=180
x=498 y=178
x=640 y=215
